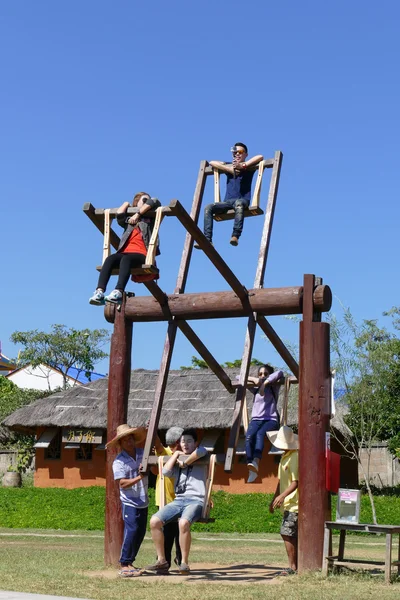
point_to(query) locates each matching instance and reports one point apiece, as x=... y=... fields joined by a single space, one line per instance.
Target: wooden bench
x=338 y=560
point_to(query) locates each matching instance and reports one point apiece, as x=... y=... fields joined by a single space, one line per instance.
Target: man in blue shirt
x=238 y=191
x=133 y=493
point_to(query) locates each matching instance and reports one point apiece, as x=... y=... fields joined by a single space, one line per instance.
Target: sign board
x=79 y=435
x=348 y=506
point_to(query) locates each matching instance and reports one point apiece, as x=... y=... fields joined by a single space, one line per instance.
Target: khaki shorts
x=289 y=524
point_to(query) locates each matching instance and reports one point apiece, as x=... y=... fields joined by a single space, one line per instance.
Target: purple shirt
x=264 y=406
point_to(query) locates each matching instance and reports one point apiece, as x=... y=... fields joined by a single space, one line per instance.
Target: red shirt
x=135 y=243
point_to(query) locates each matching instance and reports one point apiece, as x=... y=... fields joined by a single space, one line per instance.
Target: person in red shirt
x=132 y=249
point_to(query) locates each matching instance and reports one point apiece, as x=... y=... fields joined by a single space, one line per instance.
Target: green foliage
x=63 y=347
x=198 y=363
x=12 y=397
x=83 y=508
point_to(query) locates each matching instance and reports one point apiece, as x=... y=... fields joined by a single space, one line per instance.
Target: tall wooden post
x=314 y=415
x=117 y=409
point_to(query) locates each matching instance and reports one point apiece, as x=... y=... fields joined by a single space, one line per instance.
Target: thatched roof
x=193 y=398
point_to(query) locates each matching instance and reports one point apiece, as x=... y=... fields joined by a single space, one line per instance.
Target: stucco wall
x=384 y=468
x=38 y=378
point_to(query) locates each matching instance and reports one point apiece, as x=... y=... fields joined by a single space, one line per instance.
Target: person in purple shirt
x=264 y=416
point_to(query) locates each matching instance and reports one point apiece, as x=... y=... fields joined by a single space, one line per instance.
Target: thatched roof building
x=193 y=398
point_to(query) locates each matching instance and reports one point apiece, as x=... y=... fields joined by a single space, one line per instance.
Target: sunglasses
x=236 y=150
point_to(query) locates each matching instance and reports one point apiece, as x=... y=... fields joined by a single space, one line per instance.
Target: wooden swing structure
x=310 y=299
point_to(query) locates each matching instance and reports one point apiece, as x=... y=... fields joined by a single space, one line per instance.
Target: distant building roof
x=5 y=363
x=80 y=376
x=193 y=398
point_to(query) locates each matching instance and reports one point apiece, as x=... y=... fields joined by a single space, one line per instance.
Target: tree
x=198 y=363
x=11 y=398
x=62 y=349
x=367 y=360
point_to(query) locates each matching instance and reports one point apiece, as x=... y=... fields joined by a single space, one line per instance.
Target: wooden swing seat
x=253 y=210
x=143 y=270
x=205 y=515
x=230 y=214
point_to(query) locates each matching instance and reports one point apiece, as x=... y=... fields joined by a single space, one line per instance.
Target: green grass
x=83 y=508
x=73 y=566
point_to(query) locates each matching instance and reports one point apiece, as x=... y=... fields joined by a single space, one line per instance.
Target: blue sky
x=100 y=100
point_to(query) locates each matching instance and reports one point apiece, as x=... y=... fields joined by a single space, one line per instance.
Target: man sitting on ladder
x=238 y=191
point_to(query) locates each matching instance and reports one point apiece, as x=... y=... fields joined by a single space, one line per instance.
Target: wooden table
x=332 y=561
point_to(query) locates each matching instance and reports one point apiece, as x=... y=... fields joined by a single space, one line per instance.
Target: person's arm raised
x=200 y=452
x=221 y=166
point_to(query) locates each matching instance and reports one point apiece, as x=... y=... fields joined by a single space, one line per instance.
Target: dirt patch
x=208 y=573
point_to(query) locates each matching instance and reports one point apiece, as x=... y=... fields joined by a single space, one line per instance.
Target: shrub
x=83 y=508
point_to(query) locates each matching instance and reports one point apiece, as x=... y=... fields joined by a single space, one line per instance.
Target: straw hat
x=139 y=434
x=284 y=439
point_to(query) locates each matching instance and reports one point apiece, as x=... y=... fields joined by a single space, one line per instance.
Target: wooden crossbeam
x=98 y=220
x=106 y=243
x=208 y=249
x=268 y=163
x=206 y=355
x=252 y=320
x=218 y=305
x=172 y=327
x=268 y=220
x=196 y=342
x=130 y=211
x=241 y=392
x=278 y=344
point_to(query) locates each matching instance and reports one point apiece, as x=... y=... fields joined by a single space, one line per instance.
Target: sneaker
x=184 y=569
x=97 y=299
x=252 y=477
x=158 y=566
x=252 y=466
x=115 y=297
x=234 y=241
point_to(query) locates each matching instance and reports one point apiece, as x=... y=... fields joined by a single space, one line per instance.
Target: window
x=84 y=452
x=53 y=450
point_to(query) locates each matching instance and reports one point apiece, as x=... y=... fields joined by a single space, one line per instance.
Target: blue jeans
x=181 y=508
x=255 y=437
x=135 y=521
x=219 y=208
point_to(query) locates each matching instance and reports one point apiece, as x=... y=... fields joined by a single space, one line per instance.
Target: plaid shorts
x=289 y=524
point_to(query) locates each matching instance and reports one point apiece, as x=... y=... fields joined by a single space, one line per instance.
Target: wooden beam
x=278 y=344
x=172 y=327
x=98 y=220
x=268 y=220
x=252 y=320
x=314 y=412
x=206 y=355
x=194 y=215
x=160 y=296
x=159 y=393
x=99 y=212
x=241 y=392
x=208 y=249
x=268 y=164
x=217 y=305
x=117 y=407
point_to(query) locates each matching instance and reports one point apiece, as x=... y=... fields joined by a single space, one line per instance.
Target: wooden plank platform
x=230 y=214
x=144 y=270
